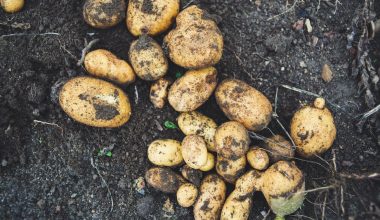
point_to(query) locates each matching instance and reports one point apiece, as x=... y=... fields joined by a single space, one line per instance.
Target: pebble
x=327 y=74
x=41 y=203
x=139 y=185
x=4 y=163
x=303 y=64
x=309 y=28
x=145 y=206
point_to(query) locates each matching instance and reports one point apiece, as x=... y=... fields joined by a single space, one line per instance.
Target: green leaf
x=109 y=154
x=170 y=125
x=178 y=75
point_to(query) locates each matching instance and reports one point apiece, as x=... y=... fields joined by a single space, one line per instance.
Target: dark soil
x=46 y=170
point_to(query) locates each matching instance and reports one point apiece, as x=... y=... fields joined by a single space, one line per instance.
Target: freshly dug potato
x=197 y=123
x=159 y=92
x=243 y=103
x=165 y=152
x=164 y=179
x=230 y=169
x=210 y=163
x=12 y=6
x=187 y=195
x=151 y=16
x=194 y=151
x=147 y=58
x=211 y=198
x=193 y=89
x=279 y=148
x=196 y=42
x=192 y=175
x=231 y=140
x=312 y=129
x=95 y=102
x=258 y=158
x=104 y=64
x=104 y=13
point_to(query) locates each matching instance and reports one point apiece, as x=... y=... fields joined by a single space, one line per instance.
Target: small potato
x=279 y=148
x=12 y=6
x=151 y=16
x=258 y=158
x=230 y=169
x=211 y=198
x=95 y=102
x=194 y=151
x=243 y=103
x=192 y=175
x=187 y=195
x=159 y=92
x=165 y=152
x=210 y=163
x=197 y=123
x=164 y=179
x=231 y=140
x=147 y=58
x=104 y=64
x=193 y=89
x=312 y=129
x=104 y=13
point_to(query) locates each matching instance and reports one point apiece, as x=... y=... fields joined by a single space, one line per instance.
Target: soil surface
x=49 y=164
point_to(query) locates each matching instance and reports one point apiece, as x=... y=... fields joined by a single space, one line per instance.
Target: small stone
x=57 y=209
x=4 y=163
x=94 y=177
x=303 y=64
x=73 y=195
x=309 y=28
x=168 y=207
x=327 y=74
x=145 y=206
x=282 y=69
x=41 y=203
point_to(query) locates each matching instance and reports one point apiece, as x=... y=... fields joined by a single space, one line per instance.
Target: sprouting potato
x=196 y=42
x=12 y=6
x=164 y=179
x=192 y=175
x=193 y=89
x=147 y=58
x=187 y=195
x=231 y=140
x=197 y=123
x=278 y=148
x=95 y=102
x=258 y=158
x=104 y=64
x=230 y=169
x=243 y=103
x=194 y=151
x=312 y=129
x=159 y=92
x=165 y=152
x=209 y=164
x=104 y=13
x=151 y=16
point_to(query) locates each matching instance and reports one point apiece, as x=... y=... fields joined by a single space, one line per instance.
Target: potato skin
x=258 y=158
x=210 y=164
x=231 y=140
x=193 y=89
x=194 y=151
x=151 y=16
x=192 y=175
x=104 y=64
x=147 y=58
x=187 y=195
x=159 y=92
x=279 y=148
x=95 y=102
x=104 y=13
x=243 y=103
x=230 y=169
x=12 y=6
x=165 y=152
x=164 y=179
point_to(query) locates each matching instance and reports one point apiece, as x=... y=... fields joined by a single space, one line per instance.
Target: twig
x=324 y=207
x=48 y=123
x=267 y=214
x=85 y=50
x=188 y=4
x=137 y=95
x=342 y=200
x=24 y=34
x=317 y=189
x=370 y=112
x=359 y=176
x=284 y=12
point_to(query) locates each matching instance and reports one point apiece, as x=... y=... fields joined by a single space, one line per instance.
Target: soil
x=48 y=170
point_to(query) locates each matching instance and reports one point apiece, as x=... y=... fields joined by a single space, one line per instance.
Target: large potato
x=165 y=152
x=151 y=16
x=243 y=103
x=159 y=92
x=104 y=64
x=230 y=169
x=95 y=102
x=231 y=140
x=187 y=195
x=197 y=123
x=12 y=6
x=194 y=151
x=279 y=148
x=164 y=179
x=147 y=58
x=196 y=42
x=192 y=175
x=193 y=89
x=104 y=13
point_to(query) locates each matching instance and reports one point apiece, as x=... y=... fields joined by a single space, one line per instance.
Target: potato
x=192 y=175
x=231 y=140
x=258 y=158
x=196 y=42
x=211 y=198
x=209 y=164
x=243 y=103
x=12 y=6
x=312 y=129
x=147 y=58
x=194 y=151
x=165 y=152
x=95 y=102
x=230 y=169
x=151 y=16
x=279 y=148
x=104 y=13
x=193 y=89
x=197 y=123
x=159 y=92
x=104 y=64
x=164 y=179
x=187 y=195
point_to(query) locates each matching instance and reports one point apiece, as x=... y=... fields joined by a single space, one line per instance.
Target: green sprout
x=104 y=152
x=170 y=125
x=178 y=75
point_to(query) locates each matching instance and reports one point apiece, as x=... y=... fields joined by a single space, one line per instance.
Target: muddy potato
x=209 y=164
x=104 y=13
x=151 y=16
x=12 y=6
x=165 y=152
x=192 y=175
x=104 y=64
x=95 y=102
x=230 y=169
x=147 y=58
x=312 y=129
x=243 y=103
x=196 y=42
x=197 y=123
x=194 y=151
x=193 y=89
x=258 y=158
x=187 y=195
x=164 y=179
x=159 y=92
x=231 y=140
x=278 y=148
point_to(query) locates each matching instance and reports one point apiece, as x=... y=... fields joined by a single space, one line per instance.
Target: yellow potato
x=279 y=148
x=230 y=169
x=193 y=89
x=231 y=140
x=165 y=152
x=194 y=151
x=12 y=6
x=209 y=164
x=159 y=92
x=147 y=58
x=243 y=103
x=151 y=16
x=192 y=175
x=104 y=64
x=258 y=158
x=95 y=102
x=187 y=195
x=104 y=13
x=164 y=179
